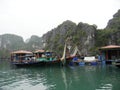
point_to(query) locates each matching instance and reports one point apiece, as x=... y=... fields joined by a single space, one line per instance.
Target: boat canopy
x=21 y=52
x=39 y=51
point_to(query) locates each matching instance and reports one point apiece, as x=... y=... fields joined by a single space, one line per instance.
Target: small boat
x=47 y=57
x=23 y=58
x=91 y=60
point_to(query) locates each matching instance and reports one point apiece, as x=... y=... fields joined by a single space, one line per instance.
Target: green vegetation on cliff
x=111 y=34
x=80 y=35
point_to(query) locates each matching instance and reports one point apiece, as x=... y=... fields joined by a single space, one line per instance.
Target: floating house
x=21 y=55
x=110 y=53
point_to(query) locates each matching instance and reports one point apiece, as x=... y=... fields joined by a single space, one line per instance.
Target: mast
x=63 y=59
x=75 y=51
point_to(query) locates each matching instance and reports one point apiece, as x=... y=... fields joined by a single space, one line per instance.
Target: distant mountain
x=8 y=43
x=33 y=43
x=11 y=42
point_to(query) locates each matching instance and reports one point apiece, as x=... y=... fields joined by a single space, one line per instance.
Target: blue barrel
x=93 y=63
x=81 y=63
x=71 y=63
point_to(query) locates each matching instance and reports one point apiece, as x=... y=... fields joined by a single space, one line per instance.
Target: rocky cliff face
x=82 y=35
x=55 y=39
x=87 y=34
x=33 y=43
x=8 y=43
x=114 y=25
x=11 y=42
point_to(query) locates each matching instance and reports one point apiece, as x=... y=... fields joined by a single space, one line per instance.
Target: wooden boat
x=47 y=57
x=39 y=57
x=50 y=58
x=24 y=58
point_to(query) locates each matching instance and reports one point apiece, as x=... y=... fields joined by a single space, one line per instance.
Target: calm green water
x=59 y=78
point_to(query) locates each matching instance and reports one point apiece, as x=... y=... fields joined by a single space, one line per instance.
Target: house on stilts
x=110 y=53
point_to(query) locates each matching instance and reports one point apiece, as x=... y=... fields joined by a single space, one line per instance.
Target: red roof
x=110 y=47
x=22 y=52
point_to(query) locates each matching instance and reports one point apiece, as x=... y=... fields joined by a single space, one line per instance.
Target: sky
x=36 y=17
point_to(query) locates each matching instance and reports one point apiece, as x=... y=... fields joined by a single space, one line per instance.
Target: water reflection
x=105 y=87
x=21 y=79
x=64 y=78
x=59 y=78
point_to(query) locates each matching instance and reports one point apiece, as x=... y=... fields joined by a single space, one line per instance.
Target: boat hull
x=38 y=64
x=117 y=63
x=29 y=64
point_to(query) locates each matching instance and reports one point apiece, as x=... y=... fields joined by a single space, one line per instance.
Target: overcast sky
x=36 y=17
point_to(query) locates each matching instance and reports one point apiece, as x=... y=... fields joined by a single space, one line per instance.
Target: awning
x=39 y=51
x=110 y=47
